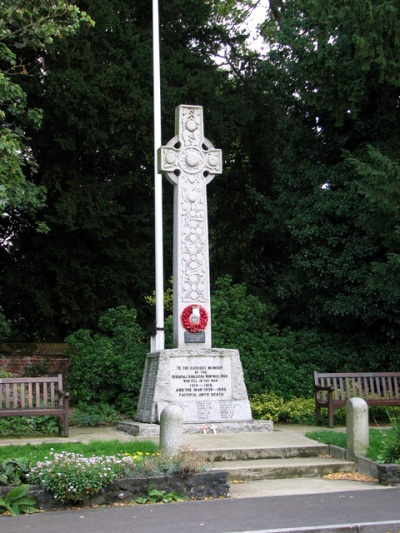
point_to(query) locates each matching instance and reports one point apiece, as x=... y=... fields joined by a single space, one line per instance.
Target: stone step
x=300 y=467
x=274 y=452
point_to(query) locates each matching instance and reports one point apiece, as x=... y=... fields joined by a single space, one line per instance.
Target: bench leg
x=66 y=426
x=65 y=417
x=63 y=425
x=330 y=418
x=318 y=415
x=330 y=410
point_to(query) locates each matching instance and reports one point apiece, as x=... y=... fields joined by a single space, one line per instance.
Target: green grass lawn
x=37 y=452
x=339 y=438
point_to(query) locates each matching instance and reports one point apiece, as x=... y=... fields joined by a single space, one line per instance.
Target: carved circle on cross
x=191 y=125
x=191 y=160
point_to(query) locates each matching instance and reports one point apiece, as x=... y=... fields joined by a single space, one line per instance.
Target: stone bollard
x=357 y=425
x=171 y=429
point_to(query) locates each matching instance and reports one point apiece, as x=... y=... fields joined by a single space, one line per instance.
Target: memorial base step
x=301 y=467
x=141 y=429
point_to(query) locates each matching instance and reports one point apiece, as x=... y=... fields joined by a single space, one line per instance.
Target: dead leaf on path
x=351 y=476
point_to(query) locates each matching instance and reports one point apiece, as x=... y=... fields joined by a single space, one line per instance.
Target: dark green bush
x=4 y=374
x=93 y=414
x=37 y=369
x=5 y=327
x=390 y=452
x=107 y=366
x=28 y=425
x=280 y=361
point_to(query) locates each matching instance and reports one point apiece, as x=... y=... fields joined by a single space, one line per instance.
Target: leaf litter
x=351 y=476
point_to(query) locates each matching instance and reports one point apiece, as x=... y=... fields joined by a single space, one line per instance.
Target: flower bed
x=65 y=479
x=194 y=486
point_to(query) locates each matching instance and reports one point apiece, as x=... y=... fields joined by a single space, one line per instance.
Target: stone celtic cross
x=190 y=162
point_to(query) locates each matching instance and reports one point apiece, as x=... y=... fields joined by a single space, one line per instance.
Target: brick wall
x=34 y=359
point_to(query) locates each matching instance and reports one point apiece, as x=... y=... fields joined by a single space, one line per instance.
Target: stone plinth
x=207 y=385
x=140 y=429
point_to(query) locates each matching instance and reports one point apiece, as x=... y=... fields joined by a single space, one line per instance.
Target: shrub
x=38 y=369
x=93 y=415
x=5 y=327
x=4 y=374
x=72 y=477
x=109 y=364
x=281 y=361
x=391 y=446
x=269 y=406
x=28 y=425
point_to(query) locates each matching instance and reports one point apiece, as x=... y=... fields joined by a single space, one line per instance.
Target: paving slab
x=282 y=436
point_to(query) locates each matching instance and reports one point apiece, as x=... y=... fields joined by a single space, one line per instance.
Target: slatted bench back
x=373 y=386
x=33 y=393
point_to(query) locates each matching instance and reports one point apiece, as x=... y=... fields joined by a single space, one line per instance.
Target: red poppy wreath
x=191 y=326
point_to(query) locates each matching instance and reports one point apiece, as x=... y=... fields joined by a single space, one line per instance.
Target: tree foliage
x=335 y=68
x=25 y=26
x=95 y=153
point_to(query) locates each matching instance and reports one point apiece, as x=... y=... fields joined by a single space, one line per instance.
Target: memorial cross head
x=189 y=152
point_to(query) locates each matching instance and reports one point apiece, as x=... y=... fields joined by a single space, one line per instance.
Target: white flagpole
x=157 y=342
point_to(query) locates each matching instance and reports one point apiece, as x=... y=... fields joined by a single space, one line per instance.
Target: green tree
x=25 y=26
x=335 y=67
x=379 y=184
x=95 y=153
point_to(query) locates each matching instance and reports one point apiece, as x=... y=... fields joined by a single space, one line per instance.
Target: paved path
x=222 y=516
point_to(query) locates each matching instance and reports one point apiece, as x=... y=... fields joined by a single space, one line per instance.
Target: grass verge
x=37 y=452
x=338 y=438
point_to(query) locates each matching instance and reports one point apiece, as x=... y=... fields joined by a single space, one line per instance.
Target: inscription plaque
x=201 y=379
x=195 y=337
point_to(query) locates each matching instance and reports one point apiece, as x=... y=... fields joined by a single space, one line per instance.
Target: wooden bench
x=34 y=397
x=333 y=390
